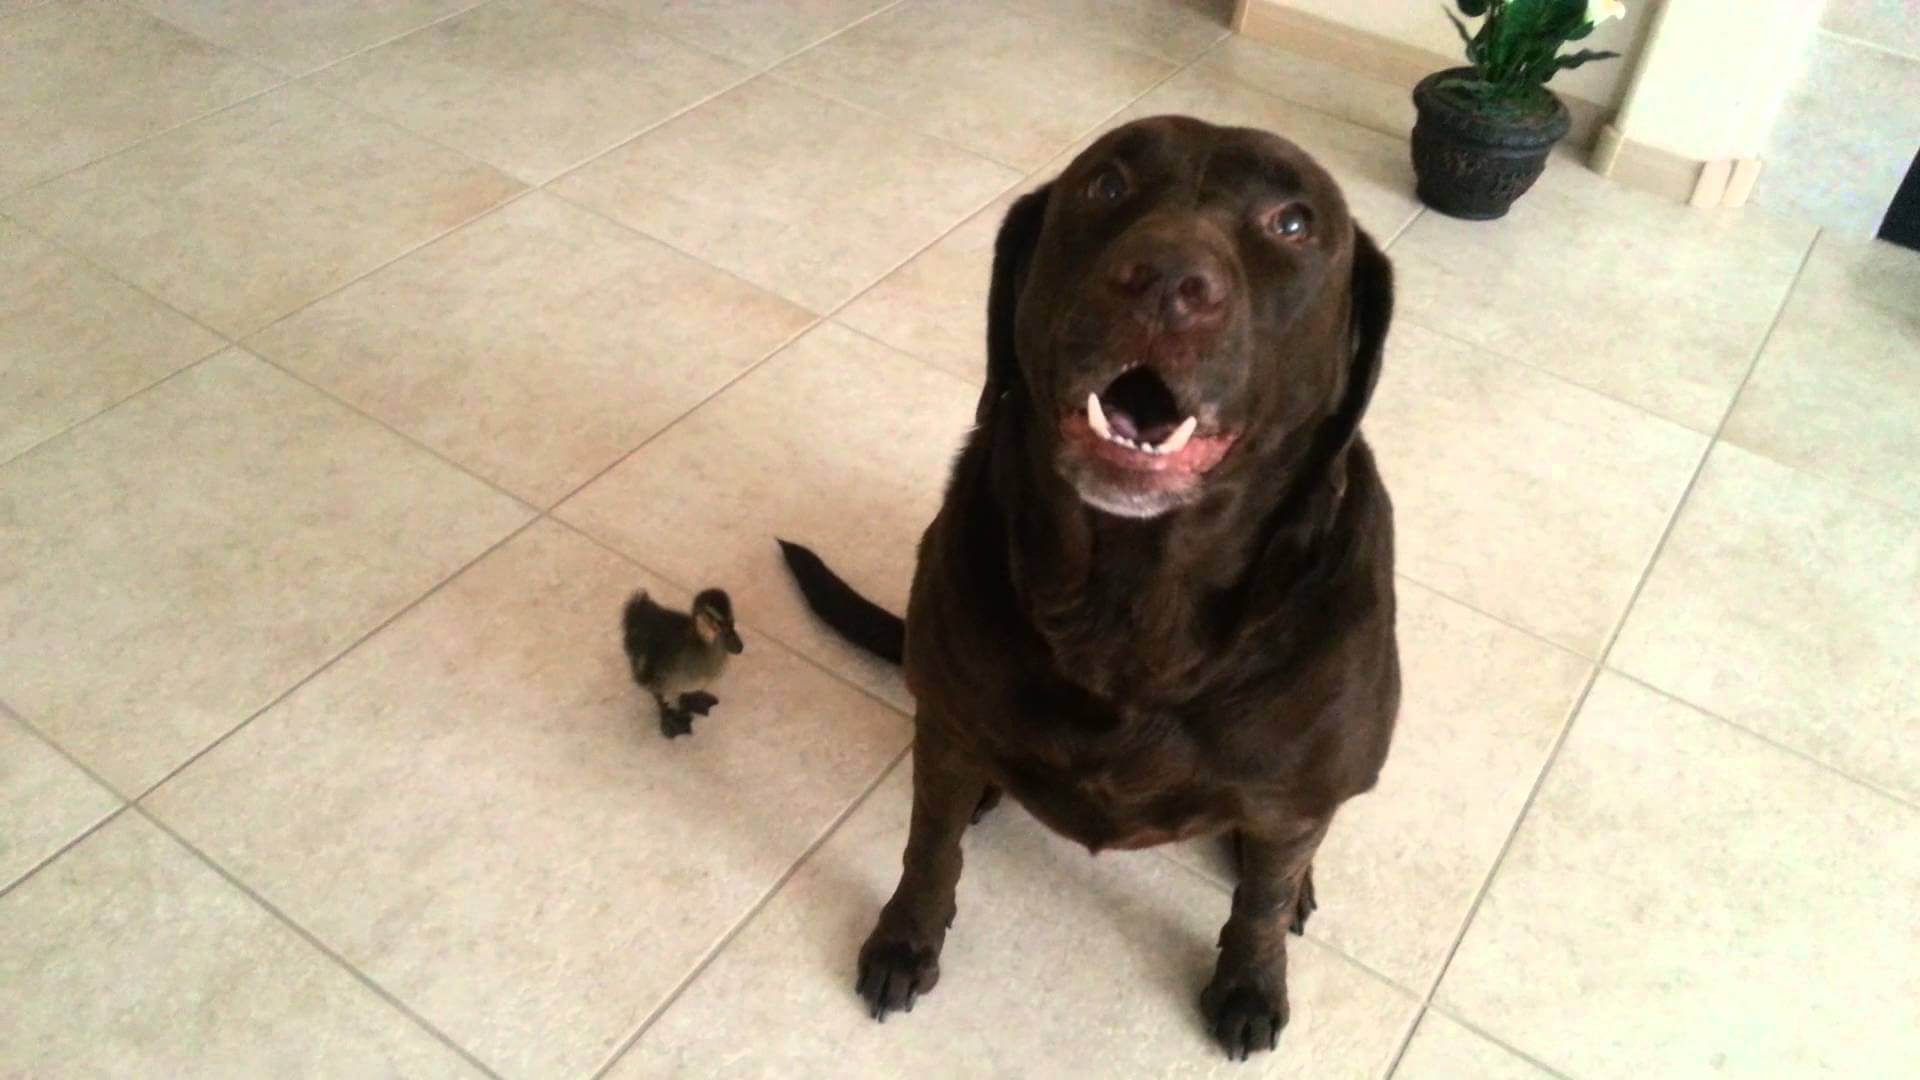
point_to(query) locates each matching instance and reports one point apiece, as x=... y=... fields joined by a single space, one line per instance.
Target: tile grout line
x=1515 y=1051
x=1891 y=51
x=10 y=196
x=343 y=58
x=753 y=74
x=8 y=710
x=112 y=405
x=243 y=342
x=1026 y=172
x=1561 y=378
x=342 y=654
x=1599 y=665
x=782 y=58
x=1827 y=767
x=408 y=438
x=89 y=420
x=352 y=970
x=686 y=414
x=33 y=731
x=750 y=915
x=1579 y=702
x=55 y=856
x=787 y=82
x=285 y=80
x=1419 y=212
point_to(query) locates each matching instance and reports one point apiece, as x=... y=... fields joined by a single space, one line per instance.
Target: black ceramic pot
x=1474 y=162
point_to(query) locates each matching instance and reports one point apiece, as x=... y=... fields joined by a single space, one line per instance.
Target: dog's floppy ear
x=1012 y=252
x=1371 y=298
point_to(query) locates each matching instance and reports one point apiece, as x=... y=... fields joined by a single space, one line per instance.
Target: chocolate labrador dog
x=1158 y=600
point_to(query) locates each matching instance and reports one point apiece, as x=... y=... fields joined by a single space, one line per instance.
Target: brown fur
x=1223 y=665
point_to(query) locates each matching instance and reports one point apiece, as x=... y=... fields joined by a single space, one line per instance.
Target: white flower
x=1599 y=11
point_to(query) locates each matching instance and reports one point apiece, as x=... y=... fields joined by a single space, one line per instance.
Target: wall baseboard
x=1703 y=184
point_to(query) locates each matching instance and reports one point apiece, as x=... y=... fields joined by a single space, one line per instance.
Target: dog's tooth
x=1183 y=434
x=1098 y=418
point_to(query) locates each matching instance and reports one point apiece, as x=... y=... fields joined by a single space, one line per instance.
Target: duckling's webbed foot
x=674 y=721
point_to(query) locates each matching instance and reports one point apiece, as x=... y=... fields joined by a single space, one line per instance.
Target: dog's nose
x=1189 y=290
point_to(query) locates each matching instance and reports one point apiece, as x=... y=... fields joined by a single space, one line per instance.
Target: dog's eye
x=1290 y=222
x=1107 y=185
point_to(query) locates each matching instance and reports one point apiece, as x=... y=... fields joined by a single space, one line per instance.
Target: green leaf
x=1568 y=17
x=1460 y=26
x=1584 y=56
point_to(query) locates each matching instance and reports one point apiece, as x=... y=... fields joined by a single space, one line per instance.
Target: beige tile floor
x=358 y=356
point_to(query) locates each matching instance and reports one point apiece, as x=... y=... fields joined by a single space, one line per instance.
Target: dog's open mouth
x=1137 y=425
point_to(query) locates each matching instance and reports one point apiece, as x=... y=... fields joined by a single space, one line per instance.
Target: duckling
x=676 y=655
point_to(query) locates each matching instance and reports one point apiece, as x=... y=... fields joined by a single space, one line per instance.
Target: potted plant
x=1484 y=132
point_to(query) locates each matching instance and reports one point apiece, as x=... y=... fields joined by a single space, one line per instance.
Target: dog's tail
x=851 y=615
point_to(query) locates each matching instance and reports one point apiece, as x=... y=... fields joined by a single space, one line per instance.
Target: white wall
x=1714 y=75
x=1419 y=23
x=1850 y=125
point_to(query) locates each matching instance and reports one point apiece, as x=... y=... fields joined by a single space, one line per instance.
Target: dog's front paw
x=1244 y=1014
x=894 y=973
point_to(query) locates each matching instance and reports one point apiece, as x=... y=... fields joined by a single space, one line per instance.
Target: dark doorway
x=1902 y=223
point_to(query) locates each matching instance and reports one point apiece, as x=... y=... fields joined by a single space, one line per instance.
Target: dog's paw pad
x=893 y=974
x=1245 y=1020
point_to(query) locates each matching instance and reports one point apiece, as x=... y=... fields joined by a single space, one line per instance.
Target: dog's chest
x=1132 y=788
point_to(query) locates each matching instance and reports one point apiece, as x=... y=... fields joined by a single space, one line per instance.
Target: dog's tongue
x=1125 y=426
